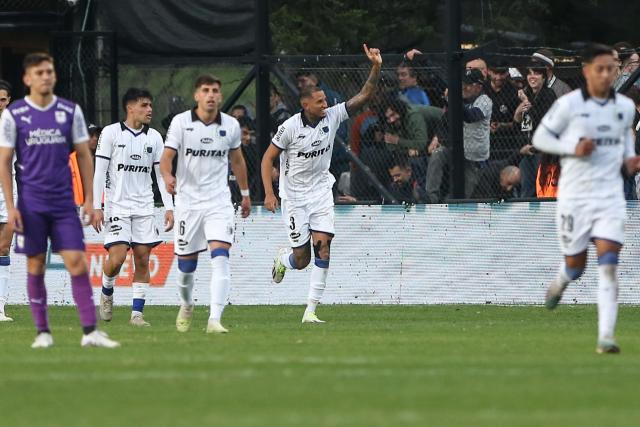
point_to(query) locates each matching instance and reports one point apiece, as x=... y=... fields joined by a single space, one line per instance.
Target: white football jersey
x=609 y=123
x=306 y=153
x=203 y=159
x=132 y=155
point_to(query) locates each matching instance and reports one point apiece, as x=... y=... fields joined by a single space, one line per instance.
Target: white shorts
x=4 y=214
x=131 y=231
x=579 y=222
x=194 y=229
x=303 y=218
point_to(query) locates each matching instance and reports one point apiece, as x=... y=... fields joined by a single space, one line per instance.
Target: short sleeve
x=174 y=134
x=557 y=118
x=158 y=147
x=235 y=140
x=485 y=105
x=8 y=131
x=282 y=138
x=338 y=113
x=105 y=143
x=79 y=131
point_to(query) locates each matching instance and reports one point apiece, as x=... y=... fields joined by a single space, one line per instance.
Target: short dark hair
x=400 y=160
x=133 y=94
x=240 y=107
x=396 y=104
x=634 y=94
x=273 y=89
x=624 y=49
x=246 y=122
x=207 y=79
x=593 y=50
x=5 y=85
x=412 y=71
x=307 y=92
x=35 y=58
x=305 y=73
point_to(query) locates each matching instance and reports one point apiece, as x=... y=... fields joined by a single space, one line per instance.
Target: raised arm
x=370 y=86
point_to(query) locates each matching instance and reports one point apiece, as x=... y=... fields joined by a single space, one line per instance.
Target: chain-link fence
x=401 y=139
x=397 y=148
x=86 y=67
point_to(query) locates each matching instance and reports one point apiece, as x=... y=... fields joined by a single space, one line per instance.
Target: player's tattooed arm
x=370 y=86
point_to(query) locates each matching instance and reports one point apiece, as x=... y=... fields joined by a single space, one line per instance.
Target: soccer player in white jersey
x=206 y=141
x=304 y=143
x=590 y=128
x=126 y=154
x=6 y=232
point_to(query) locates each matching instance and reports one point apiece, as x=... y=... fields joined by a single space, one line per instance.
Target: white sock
x=185 y=287
x=285 y=259
x=4 y=285
x=139 y=297
x=316 y=287
x=108 y=282
x=563 y=278
x=607 y=300
x=219 y=286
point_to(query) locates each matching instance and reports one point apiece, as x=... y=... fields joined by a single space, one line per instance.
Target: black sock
x=88 y=329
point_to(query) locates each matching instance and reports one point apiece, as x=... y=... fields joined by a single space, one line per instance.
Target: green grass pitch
x=368 y=366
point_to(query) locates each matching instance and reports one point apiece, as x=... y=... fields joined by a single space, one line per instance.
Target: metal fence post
x=454 y=69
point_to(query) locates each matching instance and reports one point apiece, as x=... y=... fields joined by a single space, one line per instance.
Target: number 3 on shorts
x=293 y=223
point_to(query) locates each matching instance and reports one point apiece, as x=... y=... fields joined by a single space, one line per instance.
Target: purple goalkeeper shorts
x=62 y=226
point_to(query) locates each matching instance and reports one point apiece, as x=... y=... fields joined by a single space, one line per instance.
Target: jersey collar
x=306 y=122
x=586 y=96
x=124 y=127
x=195 y=118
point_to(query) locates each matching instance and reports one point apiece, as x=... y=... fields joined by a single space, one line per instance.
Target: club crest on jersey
x=206 y=140
x=325 y=129
x=223 y=132
x=149 y=150
x=620 y=116
x=61 y=117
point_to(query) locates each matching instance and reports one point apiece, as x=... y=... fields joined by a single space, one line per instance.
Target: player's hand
x=522 y=96
x=170 y=184
x=87 y=213
x=168 y=220
x=245 y=206
x=15 y=219
x=528 y=150
x=585 y=147
x=98 y=220
x=271 y=202
x=633 y=165
x=391 y=139
x=373 y=54
x=412 y=53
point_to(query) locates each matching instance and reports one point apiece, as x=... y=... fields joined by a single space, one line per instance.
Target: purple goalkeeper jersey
x=43 y=138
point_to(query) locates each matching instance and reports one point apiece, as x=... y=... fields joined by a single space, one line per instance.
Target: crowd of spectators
x=401 y=139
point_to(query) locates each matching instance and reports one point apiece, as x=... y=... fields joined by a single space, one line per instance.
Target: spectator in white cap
x=545 y=56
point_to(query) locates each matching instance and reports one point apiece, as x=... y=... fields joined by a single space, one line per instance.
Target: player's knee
x=76 y=264
x=302 y=259
x=141 y=262
x=187 y=265
x=322 y=249
x=4 y=250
